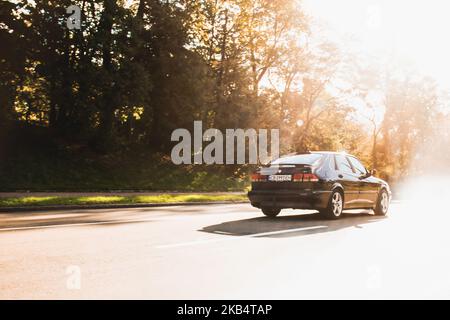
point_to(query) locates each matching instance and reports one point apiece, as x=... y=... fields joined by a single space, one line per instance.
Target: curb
x=113 y=206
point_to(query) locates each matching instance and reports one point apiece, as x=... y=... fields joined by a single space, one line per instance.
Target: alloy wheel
x=384 y=203
x=336 y=202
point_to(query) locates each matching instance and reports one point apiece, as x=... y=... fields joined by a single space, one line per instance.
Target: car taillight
x=257 y=177
x=298 y=177
x=309 y=177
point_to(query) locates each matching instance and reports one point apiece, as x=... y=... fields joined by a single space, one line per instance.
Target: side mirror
x=373 y=172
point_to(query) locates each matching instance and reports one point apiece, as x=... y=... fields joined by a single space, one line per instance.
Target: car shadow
x=290 y=226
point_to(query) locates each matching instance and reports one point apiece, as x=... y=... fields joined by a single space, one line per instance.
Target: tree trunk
x=107 y=113
x=374 y=150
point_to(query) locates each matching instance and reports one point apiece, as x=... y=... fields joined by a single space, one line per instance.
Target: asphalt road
x=224 y=251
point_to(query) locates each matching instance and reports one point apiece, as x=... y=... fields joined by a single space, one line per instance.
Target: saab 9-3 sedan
x=329 y=182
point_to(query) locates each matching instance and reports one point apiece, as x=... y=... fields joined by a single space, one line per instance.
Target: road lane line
x=231 y=238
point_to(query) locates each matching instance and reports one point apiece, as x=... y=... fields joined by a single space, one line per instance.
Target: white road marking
x=231 y=238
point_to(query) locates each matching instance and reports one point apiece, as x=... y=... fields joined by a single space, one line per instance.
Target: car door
x=349 y=180
x=368 y=191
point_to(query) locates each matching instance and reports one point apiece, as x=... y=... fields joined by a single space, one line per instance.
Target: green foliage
x=94 y=200
x=30 y=165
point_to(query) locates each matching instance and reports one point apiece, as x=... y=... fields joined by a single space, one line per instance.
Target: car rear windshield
x=308 y=159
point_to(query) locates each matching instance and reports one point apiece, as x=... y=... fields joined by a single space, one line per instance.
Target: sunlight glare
x=412 y=31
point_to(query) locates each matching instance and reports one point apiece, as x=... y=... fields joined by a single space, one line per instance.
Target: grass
x=93 y=200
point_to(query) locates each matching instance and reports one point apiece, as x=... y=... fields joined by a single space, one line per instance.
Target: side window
x=360 y=169
x=343 y=165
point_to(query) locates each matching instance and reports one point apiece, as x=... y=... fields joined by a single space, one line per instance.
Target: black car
x=325 y=181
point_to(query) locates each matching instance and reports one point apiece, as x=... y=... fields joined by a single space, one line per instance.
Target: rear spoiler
x=287 y=165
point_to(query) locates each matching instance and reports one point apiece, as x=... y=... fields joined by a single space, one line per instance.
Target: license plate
x=280 y=178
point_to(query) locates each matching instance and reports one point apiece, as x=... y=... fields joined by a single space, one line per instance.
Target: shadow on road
x=290 y=226
x=42 y=220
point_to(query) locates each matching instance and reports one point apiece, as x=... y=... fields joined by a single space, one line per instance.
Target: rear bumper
x=288 y=199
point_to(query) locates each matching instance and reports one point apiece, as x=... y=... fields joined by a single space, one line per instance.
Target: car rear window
x=308 y=159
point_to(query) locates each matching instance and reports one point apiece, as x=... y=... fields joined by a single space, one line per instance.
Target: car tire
x=271 y=212
x=382 y=206
x=335 y=206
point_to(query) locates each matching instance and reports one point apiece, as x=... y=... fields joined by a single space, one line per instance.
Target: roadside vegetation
x=117 y=199
x=36 y=161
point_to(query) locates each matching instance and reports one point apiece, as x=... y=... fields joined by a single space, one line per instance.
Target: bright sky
x=415 y=31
